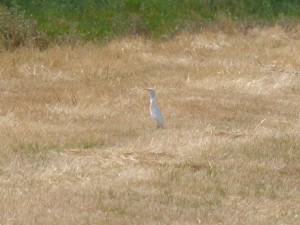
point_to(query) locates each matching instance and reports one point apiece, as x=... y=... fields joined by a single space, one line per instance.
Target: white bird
x=154 y=109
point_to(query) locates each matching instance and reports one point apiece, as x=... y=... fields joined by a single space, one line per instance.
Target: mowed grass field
x=78 y=146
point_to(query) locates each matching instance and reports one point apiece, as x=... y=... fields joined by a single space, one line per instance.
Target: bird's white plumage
x=154 y=110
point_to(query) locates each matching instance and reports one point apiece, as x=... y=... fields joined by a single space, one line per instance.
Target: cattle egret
x=154 y=109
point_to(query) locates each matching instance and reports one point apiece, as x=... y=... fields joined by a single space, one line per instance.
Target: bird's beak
x=147 y=89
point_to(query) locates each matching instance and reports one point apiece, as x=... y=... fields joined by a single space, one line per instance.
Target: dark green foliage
x=97 y=20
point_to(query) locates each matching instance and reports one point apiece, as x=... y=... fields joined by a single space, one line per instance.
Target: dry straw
x=77 y=145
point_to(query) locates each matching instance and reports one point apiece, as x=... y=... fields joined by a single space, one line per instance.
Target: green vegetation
x=98 y=20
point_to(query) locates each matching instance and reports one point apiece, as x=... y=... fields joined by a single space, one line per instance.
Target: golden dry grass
x=78 y=145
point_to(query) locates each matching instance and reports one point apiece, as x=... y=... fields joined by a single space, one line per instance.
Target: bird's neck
x=152 y=100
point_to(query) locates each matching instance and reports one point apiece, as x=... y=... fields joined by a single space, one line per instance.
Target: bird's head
x=151 y=92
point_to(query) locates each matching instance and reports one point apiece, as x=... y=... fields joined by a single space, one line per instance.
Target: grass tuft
x=17 y=31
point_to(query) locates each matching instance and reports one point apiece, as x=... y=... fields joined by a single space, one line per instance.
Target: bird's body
x=155 y=111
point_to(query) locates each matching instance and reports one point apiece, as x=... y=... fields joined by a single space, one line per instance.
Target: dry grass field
x=78 y=146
